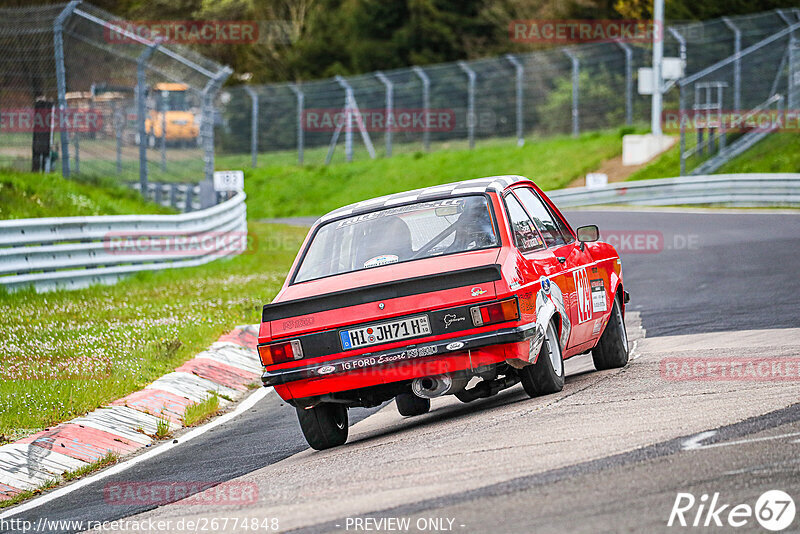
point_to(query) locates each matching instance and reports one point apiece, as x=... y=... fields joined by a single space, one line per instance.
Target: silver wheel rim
x=554 y=351
x=623 y=334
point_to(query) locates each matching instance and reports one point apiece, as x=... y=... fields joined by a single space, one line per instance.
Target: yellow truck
x=171 y=113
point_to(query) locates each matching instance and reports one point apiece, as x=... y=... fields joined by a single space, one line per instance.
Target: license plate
x=385 y=332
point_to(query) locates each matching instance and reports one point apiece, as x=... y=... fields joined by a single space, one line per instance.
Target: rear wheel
x=547 y=374
x=410 y=405
x=324 y=425
x=612 y=348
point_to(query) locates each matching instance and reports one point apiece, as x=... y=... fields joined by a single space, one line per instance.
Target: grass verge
x=27 y=195
x=99 y=344
x=779 y=152
x=27 y=494
x=282 y=189
x=198 y=412
x=110 y=458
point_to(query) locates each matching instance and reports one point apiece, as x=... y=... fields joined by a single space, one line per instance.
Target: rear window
x=400 y=234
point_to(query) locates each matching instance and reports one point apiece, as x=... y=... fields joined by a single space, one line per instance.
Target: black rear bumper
x=403 y=354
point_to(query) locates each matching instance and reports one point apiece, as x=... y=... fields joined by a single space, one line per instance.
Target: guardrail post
x=576 y=66
x=207 y=197
x=471 y=119
x=61 y=79
x=426 y=104
x=737 y=64
x=300 y=107
x=520 y=75
x=141 y=92
x=628 y=80
x=253 y=125
x=389 y=118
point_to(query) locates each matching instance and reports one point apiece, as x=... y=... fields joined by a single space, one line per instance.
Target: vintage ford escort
x=465 y=289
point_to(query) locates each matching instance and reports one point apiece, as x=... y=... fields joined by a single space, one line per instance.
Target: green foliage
x=117 y=339
x=198 y=412
x=282 y=189
x=779 y=152
x=329 y=37
x=598 y=90
x=110 y=458
x=28 y=195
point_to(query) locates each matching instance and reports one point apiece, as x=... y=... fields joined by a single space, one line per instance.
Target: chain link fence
x=100 y=100
x=81 y=93
x=564 y=90
x=727 y=107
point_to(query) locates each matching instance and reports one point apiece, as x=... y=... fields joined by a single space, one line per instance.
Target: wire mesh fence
x=727 y=107
x=81 y=93
x=564 y=90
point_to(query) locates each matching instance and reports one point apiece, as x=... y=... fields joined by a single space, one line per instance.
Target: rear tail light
x=496 y=312
x=285 y=351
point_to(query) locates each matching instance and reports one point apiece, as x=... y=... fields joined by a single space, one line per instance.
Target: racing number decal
x=584 y=292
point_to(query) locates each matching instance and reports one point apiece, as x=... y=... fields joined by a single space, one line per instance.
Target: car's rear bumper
x=398 y=364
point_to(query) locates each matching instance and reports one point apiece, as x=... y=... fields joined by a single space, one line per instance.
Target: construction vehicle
x=171 y=117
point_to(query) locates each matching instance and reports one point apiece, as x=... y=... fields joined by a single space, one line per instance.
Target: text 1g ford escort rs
x=414 y=295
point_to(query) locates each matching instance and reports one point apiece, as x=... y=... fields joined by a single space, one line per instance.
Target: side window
x=553 y=230
x=525 y=235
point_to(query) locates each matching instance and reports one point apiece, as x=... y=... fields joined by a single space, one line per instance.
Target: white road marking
x=695 y=442
x=246 y=404
x=750 y=440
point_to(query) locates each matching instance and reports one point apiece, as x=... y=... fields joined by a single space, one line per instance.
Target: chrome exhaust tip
x=429 y=387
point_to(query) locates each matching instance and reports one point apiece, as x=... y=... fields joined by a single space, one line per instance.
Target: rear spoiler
x=363 y=295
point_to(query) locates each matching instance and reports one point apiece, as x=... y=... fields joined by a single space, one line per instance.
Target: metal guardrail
x=76 y=252
x=742 y=190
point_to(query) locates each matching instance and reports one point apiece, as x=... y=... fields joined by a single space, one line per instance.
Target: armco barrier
x=740 y=190
x=75 y=252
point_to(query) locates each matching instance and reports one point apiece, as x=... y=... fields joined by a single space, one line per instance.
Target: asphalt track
x=609 y=453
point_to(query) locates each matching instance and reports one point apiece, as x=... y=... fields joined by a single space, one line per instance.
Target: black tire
x=546 y=376
x=611 y=351
x=410 y=405
x=325 y=425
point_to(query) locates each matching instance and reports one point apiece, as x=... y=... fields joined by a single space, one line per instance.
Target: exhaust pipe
x=429 y=387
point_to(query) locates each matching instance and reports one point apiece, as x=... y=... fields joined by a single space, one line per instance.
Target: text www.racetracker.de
x=217 y=524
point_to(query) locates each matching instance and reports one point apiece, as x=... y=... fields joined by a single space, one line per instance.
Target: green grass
x=27 y=195
x=779 y=152
x=280 y=188
x=99 y=344
x=110 y=458
x=27 y=494
x=198 y=412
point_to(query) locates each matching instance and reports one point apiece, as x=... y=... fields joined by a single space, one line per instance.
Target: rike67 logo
x=774 y=510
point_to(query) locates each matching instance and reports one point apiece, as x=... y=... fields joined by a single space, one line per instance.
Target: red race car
x=465 y=289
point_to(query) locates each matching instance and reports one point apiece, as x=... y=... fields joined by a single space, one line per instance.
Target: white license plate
x=385 y=332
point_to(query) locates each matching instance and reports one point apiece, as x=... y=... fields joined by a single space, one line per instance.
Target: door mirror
x=588 y=233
